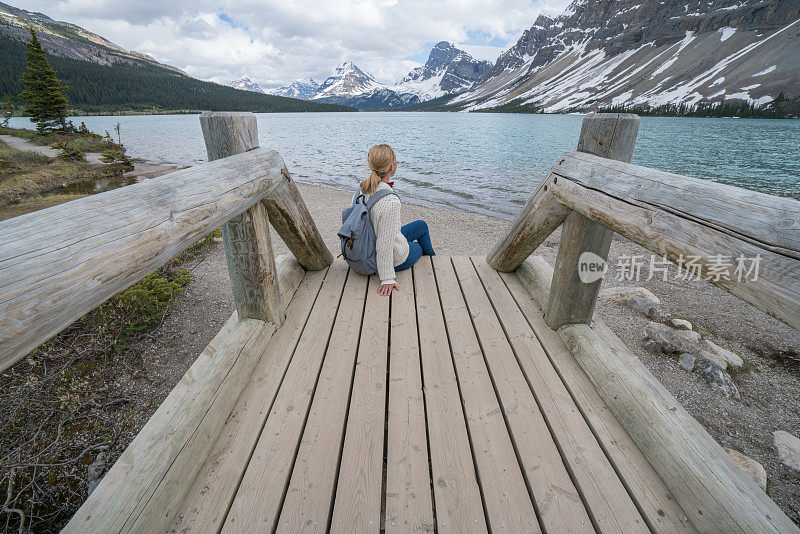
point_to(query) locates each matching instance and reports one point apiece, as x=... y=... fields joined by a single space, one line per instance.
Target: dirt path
x=23 y=144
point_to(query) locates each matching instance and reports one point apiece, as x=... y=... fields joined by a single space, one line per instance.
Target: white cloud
x=276 y=41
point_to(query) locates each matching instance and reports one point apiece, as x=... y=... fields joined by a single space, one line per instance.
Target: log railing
x=671 y=215
x=59 y=263
x=595 y=192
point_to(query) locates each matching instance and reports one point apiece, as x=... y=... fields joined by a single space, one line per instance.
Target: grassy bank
x=30 y=181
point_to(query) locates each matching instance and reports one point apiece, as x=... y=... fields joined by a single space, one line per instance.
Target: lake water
x=475 y=162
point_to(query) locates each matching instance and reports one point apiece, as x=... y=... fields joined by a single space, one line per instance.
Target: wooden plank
x=506 y=497
x=159 y=505
x=309 y=497
x=357 y=506
x=585 y=243
x=290 y=217
x=409 y=506
x=162 y=434
x=683 y=218
x=714 y=493
x=457 y=496
x=108 y=511
x=206 y=504
x=654 y=501
x=608 y=500
x=73 y=258
x=263 y=485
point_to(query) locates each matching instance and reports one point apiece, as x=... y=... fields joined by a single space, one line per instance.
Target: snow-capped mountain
x=649 y=53
x=298 y=89
x=448 y=70
x=346 y=81
x=246 y=84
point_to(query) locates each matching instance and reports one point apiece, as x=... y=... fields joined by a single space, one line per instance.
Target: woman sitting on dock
x=397 y=248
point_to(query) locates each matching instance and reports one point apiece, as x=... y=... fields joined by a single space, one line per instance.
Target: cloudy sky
x=277 y=41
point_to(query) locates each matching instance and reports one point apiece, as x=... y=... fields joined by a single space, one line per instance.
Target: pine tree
x=44 y=95
x=9 y=109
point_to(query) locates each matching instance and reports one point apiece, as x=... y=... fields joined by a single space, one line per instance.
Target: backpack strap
x=379 y=194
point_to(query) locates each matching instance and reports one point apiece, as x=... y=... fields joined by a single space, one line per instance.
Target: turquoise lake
x=475 y=162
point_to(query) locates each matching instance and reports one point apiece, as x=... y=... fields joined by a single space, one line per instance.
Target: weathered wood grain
x=683 y=218
x=716 y=495
x=206 y=503
x=539 y=218
x=457 y=496
x=200 y=403
x=309 y=496
x=64 y=261
x=290 y=217
x=605 y=495
x=503 y=477
x=654 y=500
x=248 y=248
x=357 y=505
x=257 y=502
x=607 y=135
x=409 y=503
x=572 y=300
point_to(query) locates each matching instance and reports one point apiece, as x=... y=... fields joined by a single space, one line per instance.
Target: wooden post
x=248 y=249
x=608 y=135
x=540 y=217
x=290 y=218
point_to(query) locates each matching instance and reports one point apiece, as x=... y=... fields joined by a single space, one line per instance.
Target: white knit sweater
x=391 y=246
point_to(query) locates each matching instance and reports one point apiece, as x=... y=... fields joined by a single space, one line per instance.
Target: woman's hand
x=386 y=289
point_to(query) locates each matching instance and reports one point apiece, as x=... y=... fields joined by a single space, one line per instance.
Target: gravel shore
x=768 y=385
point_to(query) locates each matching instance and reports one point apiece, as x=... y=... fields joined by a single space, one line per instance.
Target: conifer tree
x=9 y=109
x=44 y=94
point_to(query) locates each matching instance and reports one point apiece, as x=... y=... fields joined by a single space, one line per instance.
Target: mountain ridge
x=448 y=70
x=647 y=53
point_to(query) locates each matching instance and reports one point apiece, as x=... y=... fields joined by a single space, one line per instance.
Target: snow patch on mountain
x=634 y=53
x=246 y=84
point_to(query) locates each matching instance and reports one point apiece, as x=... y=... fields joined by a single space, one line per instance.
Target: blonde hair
x=380 y=159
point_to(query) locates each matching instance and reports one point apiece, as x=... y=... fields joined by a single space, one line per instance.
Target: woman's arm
x=387 y=225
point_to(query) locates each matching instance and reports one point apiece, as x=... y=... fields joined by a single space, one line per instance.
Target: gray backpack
x=357 y=234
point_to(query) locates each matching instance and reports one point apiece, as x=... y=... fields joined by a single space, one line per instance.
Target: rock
x=637 y=298
x=731 y=358
x=754 y=469
x=681 y=324
x=719 y=380
x=714 y=357
x=686 y=361
x=665 y=339
x=788 y=447
x=96 y=470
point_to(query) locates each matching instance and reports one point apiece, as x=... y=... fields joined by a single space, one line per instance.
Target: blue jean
x=419 y=243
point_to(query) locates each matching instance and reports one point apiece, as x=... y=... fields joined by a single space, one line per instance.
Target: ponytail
x=370 y=185
x=379 y=159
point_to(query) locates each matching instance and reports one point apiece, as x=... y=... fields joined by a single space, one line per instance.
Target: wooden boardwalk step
x=442 y=408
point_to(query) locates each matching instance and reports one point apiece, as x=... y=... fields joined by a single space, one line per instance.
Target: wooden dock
x=450 y=405
x=481 y=397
